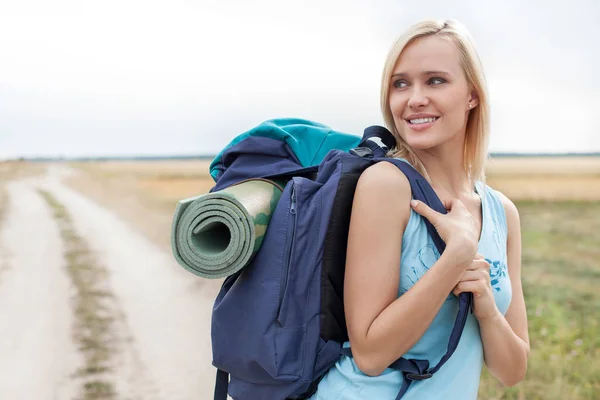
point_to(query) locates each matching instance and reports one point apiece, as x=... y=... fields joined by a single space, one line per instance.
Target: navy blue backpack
x=278 y=325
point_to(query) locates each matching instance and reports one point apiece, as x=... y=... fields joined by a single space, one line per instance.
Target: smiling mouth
x=422 y=121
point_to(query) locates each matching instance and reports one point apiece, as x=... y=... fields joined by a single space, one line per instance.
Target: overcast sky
x=144 y=77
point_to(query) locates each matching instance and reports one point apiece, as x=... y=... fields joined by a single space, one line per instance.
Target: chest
x=419 y=254
x=475 y=207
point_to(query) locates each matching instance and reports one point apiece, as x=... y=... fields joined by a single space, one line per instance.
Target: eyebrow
x=427 y=73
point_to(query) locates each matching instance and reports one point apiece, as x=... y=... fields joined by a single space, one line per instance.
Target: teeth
x=422 y=120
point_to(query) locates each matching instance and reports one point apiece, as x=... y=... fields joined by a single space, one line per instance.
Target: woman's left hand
x=476 y=279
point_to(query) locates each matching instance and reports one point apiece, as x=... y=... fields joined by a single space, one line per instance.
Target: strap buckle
x=363 y=152
x=419 y=377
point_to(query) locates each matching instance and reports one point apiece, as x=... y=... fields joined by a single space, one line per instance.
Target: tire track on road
x=93 y=307
x=37 y=356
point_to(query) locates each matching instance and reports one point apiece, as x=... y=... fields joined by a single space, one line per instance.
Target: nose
x=418 y=98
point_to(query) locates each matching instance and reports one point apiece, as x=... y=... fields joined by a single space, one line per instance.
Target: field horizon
x=207 y=156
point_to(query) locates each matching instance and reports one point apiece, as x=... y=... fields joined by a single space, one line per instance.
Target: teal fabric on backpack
x=310 y=141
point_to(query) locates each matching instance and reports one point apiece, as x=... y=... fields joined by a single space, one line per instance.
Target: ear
x=474 y=100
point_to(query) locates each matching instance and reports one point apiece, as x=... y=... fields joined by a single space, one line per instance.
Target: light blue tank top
x=459 y=377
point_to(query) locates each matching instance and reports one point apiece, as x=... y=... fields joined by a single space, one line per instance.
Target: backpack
x=278 y=324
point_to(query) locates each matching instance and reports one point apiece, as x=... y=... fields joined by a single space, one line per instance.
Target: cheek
x=454 y=105
x=396 y=104
x=397 y=107
x=455 y=114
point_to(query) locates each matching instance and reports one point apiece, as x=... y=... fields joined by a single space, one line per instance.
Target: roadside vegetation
x=92 y=306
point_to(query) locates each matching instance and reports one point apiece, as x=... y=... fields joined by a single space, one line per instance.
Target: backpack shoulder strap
x=422 y=191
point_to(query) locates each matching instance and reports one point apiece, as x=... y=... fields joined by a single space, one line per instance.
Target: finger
x=455 y=204
x=475 y=275
x=425 y=211
x=470 y=275
x=468 y=287
x=479 y=264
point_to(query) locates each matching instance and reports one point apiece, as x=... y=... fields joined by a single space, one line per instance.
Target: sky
x=135 y=78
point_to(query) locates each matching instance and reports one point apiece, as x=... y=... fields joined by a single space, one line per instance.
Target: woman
x=402 y=300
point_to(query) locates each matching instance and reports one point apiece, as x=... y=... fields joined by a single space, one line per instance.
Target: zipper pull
x=293 y=204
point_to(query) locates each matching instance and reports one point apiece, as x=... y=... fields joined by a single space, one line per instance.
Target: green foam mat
x=215 y=235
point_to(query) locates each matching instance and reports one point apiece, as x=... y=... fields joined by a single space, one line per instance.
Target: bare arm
x=505 y=338
x=381 y=326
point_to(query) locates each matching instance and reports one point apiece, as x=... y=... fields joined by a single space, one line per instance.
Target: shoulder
x=384 y=178
x=383 y=190
x=509 y=207
x=512 y=213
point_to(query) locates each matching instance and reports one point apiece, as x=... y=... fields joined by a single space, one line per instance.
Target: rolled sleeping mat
x=215 y=235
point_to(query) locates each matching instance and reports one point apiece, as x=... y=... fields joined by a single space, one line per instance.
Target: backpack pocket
x=289 y=352
x=287 y=251
x=299 y=292
x=300 y=253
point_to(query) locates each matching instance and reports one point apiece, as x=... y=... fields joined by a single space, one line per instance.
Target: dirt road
x=161 y=312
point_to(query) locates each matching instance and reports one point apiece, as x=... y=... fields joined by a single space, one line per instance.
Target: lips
x=423 y=125
x=421 y=120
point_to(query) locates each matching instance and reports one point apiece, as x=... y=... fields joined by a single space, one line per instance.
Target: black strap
x=221 y=385
x=422 y=190
x=413 y=370
x=418 y=370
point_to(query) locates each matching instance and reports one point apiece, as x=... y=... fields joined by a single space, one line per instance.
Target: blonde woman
x=401 y=300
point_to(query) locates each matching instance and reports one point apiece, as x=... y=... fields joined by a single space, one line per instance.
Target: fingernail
x=414 y=203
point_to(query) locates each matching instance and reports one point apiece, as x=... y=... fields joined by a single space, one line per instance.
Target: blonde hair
x=477 y=131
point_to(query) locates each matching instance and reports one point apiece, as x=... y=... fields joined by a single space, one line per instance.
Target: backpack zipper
x=288 y=254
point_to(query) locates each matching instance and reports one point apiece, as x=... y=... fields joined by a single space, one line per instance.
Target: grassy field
x=561 y=273
x=559 y=203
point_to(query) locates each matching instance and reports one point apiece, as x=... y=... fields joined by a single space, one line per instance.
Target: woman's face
x=429 y=95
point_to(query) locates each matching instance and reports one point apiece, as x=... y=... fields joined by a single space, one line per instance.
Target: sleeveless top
x=459 y=377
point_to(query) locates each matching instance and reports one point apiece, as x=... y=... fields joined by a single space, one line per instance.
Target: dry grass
x=552 y=188
x=161 y=183
x=10 y=170
x=553 y=166
x=520 y=178
x=169 y=168
x=546 y=178
x=144 y=194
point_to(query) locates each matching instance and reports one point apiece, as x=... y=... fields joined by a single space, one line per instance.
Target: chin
x=422 y=143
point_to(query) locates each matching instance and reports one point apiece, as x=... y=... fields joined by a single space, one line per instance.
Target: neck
x=444 y=165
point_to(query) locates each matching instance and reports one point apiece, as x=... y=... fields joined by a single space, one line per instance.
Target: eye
x=437 y=81
x=400 y=84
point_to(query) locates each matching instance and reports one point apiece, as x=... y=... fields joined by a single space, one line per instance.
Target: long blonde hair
x=477 y=131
